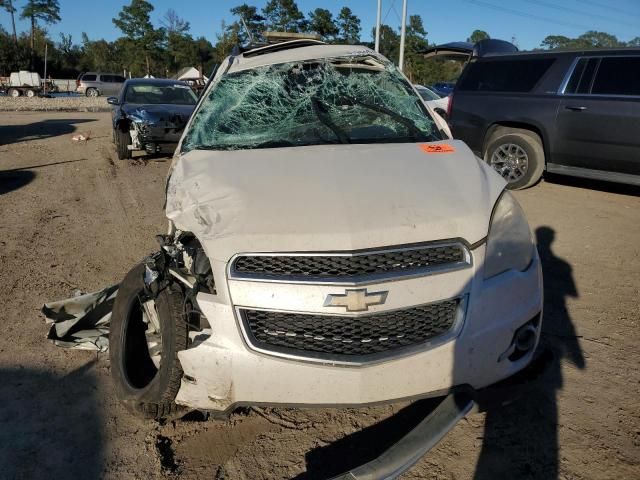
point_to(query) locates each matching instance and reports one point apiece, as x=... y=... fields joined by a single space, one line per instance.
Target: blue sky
x=529 y=21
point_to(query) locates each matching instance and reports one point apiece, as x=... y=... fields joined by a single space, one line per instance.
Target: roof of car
x=297 y=51
x=586 y=52
x=100 y=73
x=154 y=81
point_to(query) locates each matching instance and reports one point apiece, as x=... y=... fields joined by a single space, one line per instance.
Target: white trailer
x=25 y=83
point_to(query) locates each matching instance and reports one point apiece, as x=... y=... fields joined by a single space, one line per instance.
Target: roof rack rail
x=286 y=41
x=277 y=37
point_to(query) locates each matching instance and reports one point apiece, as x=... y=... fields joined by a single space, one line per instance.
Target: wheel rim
x=30 y=93
x=93 y=93
x=510 y=161
x=142 y=353
x=15 y=93
x=153 y=333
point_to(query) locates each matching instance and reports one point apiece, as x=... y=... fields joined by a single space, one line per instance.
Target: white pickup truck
x=329 y=245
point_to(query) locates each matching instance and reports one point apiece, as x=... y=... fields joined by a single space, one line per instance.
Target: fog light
x=523 y=341
x=525 y=338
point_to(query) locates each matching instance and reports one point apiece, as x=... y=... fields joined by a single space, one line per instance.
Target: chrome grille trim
x=359 y=360
x=363 y=279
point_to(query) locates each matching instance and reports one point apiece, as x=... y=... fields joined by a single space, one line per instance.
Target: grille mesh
x=335 y=335
x=338 y=266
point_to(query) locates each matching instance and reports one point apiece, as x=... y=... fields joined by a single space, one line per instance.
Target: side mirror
x=113 y=101
x=442 y=113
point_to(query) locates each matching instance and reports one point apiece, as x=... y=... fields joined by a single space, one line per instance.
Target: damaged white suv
x=328 y=245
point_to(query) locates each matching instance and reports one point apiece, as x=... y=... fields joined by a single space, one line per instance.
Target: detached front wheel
x=146 y=336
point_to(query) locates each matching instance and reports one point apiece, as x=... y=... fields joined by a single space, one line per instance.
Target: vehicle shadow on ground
x=50 y=425
x=366 y=444
x=521 y=439
x=610 y=187
x=40 y=130
x=14 y=180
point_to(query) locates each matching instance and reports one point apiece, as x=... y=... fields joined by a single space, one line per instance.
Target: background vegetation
x=161 y=50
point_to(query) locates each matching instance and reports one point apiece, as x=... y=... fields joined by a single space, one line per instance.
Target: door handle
x=575 y=109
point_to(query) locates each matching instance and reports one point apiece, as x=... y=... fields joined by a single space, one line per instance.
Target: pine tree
x=284 y=16
x=135 y=22
x=349 y=26
x=8 y=6
x=47 y=11
x=252 y=19
x=321 y=22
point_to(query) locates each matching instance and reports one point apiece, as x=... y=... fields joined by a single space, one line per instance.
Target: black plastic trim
x=616 y=177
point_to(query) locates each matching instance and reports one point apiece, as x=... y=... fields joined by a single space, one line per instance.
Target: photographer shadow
x=521 y=438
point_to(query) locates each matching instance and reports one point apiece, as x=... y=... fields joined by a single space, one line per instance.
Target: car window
x=427 y=94
x=106 y=78
x=170 y=94
x=89 y=78
x=328 y=101
x=582 y=76
x=504 y=75
x=119 y=79
x=618 y=76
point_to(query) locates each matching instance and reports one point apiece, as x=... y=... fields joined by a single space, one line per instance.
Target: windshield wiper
x=204 y=147
x=412 y=127
x=326 y=120
x=266 y=144
x=273 y=144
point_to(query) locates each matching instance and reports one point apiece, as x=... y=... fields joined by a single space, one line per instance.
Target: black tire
x=123 y=139
x=92 y=92
x=530 y=143
x=145 y=390
x=13 y=92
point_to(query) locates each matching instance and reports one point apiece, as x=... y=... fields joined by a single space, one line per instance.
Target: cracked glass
x=329 y=101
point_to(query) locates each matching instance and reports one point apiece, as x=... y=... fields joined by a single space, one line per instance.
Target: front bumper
x=415 y=444
x=221 y=371
x=155 y=138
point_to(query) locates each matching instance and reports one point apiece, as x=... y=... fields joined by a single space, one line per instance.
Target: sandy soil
x=74 y=217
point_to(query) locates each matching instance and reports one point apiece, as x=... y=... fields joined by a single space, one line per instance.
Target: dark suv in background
x=569 y=112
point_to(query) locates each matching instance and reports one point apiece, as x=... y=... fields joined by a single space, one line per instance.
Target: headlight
x=509 y=245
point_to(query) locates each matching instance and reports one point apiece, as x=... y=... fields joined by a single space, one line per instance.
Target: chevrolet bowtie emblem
x=355 y=300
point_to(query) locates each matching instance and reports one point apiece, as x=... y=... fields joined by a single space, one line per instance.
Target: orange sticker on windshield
x=437 y=148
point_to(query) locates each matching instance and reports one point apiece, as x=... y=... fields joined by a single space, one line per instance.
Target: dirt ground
x=74 y=217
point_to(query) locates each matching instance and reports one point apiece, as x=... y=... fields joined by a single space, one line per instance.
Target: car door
x=599 y=118
x=118 y=82
x=107 y=85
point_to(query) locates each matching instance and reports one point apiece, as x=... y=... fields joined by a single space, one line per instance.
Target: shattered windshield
x=343 y=100
x=160 y=95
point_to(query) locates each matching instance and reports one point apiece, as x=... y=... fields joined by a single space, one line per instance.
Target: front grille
x=349 y=267
x=332 y=335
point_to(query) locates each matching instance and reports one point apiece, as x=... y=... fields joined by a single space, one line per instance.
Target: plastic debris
x=81 y=322
x=82 y=137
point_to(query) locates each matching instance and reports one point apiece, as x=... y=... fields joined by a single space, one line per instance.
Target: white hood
x=328 y=198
